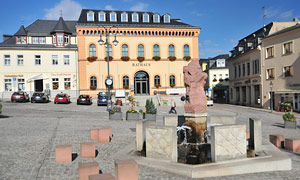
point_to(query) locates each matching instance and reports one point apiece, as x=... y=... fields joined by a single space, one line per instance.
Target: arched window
x=172 y=81
x=157 y=80
x=156 y=50
x=141 y=50
x=171 y=50
x=124 y=50
x=125 y=82
x=186 y=50
x=110 y=50
x=93 y=81
x=92 y=50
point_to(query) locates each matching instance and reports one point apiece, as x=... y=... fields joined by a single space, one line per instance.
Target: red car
x=62 y=98
x=19 y=97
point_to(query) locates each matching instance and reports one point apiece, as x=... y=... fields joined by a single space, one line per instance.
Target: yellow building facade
x=149 y=57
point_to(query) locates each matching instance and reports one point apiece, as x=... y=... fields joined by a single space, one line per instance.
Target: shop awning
x=38 y=77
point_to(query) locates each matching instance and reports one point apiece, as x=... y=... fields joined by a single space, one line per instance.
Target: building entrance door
x=38 y=85
x=141 y=83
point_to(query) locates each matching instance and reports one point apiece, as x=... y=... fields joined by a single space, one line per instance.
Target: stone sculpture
x=194 y=80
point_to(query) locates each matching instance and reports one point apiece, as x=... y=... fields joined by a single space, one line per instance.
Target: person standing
x=173 y=105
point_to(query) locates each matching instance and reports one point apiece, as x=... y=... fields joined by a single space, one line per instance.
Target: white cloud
x=109 y=7
x=70 y=10
x=271 y=12
x=287 y=14
x=140 y=7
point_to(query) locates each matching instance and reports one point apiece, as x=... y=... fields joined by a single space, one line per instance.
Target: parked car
x=84 y=99
x=102 y=98
x=62 y=98
x=19 y=96
x=39 y=97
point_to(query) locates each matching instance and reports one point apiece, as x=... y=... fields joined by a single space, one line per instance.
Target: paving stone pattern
x=30 y=132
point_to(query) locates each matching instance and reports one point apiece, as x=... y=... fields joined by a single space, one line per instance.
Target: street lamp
x=271 y=99
x=108 y=80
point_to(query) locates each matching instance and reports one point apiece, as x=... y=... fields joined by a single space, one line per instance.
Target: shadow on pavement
x=4 y=116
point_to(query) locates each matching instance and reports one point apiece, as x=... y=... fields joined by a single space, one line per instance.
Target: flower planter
x=132 y=116
x=290 y=124
x=151 y=117
x=115 y=116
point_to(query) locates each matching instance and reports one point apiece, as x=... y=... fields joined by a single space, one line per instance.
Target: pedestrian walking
x=173 y=105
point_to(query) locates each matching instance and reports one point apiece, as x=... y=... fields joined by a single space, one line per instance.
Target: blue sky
x=223 y=22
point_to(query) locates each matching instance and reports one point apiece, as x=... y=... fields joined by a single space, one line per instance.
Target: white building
x=42 y=56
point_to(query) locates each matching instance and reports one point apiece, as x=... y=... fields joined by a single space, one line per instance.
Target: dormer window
x=166 y=18
x=145 y=17
x=90 y=16
x=124 y=17
x=101 y=16
x=135 y=17
x=113 y=17
x=21 y=40
x=156 y=18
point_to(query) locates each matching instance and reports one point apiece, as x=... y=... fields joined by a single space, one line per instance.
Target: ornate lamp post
x=271 y=99
x=109 y=80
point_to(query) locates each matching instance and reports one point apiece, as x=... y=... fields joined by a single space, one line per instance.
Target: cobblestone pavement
x=30 y=132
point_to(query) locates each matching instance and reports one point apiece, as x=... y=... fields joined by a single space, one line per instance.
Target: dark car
x=102 y=98
x=19 y=97
x=39 y=97
x=84 y=99
x=62 y=98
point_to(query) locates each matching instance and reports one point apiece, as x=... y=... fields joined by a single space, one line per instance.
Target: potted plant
x=125 y=58
x=140 y=58
x=172 y=85
x=172 y=58
x=289 y=120
x=126 y=87
x=156 y=58
x=220 y=79
x=187 y=58
x=115 y=113
x=92 y=58
x=150 y=112
x=157 y=85
x=110 y=58
x=93 y=87
x=131 y=113
x=215 y=80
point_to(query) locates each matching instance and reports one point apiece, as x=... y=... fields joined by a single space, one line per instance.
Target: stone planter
x=132 y=116
x=290 y=124
x=151 y=117
x=115 y=116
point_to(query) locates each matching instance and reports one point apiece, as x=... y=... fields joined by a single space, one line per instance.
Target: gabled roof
x=61 y=27
x=174 y=23
x=21 y=32
x=283 y=31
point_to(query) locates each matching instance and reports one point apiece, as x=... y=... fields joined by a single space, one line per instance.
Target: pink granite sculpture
x=194 y=80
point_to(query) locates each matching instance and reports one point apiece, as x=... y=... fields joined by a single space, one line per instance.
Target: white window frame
x=22 y=83
x=55 y=60
x=137 y=17
x=7 y=60
x=124 y=15
x=60 y=38
x=67 y=80
x=19 y=60
x=158 y=18
x=291 y=48
x=42 y=40
x=35 y=40
x=6 y=83
x=88 y=16
x=54 y=81
x=66 y=39
x=168 y=20
x=100 y=15
x=36 y=59
x=111 y=17
x=146 y=15
x=67 y=60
